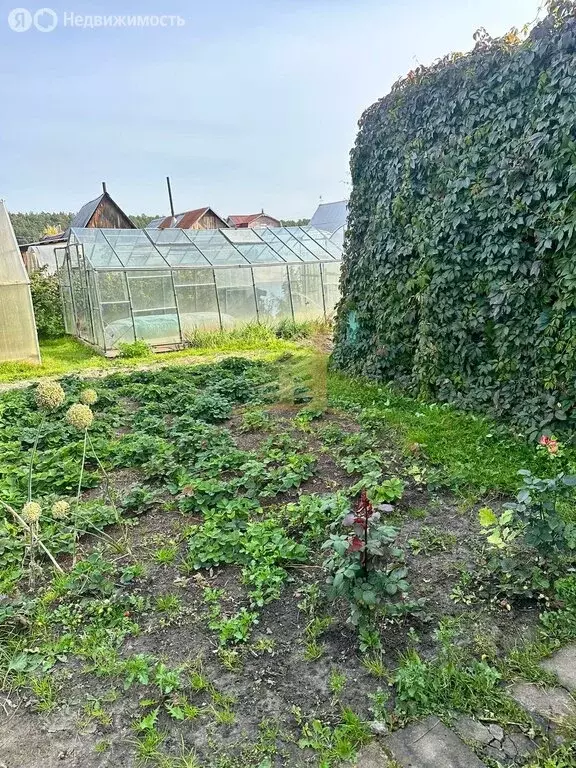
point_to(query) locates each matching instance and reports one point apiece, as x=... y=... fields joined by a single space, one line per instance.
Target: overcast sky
x=250 y=104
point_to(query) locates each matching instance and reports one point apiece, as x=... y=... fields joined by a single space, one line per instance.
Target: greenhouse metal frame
x=159 y=285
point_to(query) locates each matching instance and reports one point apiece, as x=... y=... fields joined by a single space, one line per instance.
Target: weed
x=333 y=744
x=166 y=555
x=223 y=715
x=431 y=540
x=134 y=349
x=45 y=691
x=374 y=664
x=230 y=659
x=264 y=645
x=147 y=748
x=313 y=650
x=379 y=699
x=337 y=682
x=171 y=604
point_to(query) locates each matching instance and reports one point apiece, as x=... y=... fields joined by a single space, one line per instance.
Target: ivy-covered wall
x=459 y=281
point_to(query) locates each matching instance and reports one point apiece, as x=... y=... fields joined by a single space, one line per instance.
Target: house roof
x=184 y=220
x=240 y=219
x=330 y=216
x=82 y=218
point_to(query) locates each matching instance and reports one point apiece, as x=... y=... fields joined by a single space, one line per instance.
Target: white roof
x=330 y=216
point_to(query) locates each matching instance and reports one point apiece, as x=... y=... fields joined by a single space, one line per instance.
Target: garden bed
x=194 y=628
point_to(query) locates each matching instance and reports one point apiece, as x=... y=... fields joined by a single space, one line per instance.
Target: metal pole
x=177 y=307
x=170 y=197
x=290 y=293
x=217 y=300
x=130 y=303
x=322 y=287
x=255 y=297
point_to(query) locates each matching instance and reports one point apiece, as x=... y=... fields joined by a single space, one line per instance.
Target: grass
x=67 y=355
x=475 y=454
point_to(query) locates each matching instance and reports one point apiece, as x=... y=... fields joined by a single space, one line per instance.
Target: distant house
x=200 y=218
x=101 y=213
x=331 y=217
x=253 y=221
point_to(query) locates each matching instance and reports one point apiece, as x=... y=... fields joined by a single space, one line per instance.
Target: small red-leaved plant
x=363 y=565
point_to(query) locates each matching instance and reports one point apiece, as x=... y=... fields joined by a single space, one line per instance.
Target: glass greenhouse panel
x=301 y=251
x=118 y=324
x=67 y=309
x=176 y=247
x=281 y=247
x=272 y=293
x=235 y=296
x=133 y=248
x=324 y=240
x=331 y=281
x=151 y=292
x=112 y=287
x=197 y=299
x=81 y=299
x=307 y=296
x=97 y=250
x=97 y=325
x=216 y=248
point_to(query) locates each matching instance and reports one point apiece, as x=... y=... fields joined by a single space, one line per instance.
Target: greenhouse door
x=81 y=303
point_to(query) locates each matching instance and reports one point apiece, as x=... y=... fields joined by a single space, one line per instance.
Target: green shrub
x=459 y=276
x=134 y=349
x=47 y=304
x=291 y=330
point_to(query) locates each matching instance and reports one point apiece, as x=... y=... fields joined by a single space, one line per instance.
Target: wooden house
x=253 y=221
x=199 y=218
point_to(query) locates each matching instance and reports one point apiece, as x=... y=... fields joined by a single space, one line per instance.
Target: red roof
x=247 y=219
x=184 y=220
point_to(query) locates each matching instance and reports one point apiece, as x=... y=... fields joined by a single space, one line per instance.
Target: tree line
x=29 y=227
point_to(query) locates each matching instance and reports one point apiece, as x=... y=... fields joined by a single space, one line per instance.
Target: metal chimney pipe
x=170 y=196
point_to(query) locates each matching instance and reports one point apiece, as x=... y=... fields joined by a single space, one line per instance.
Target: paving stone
x=563 y=664
x=524 y=745
x=517 y=745
x=471 y=730
x=429 y=744
x=496 y=731
x=495 y=754
x=379 y=727
x=371 y=757
x=552 y=704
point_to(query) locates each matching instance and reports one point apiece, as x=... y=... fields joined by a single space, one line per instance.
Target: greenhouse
x=159 y=285
x=18 y=336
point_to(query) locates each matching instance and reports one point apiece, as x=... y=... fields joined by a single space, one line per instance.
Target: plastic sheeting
x=18 y=336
